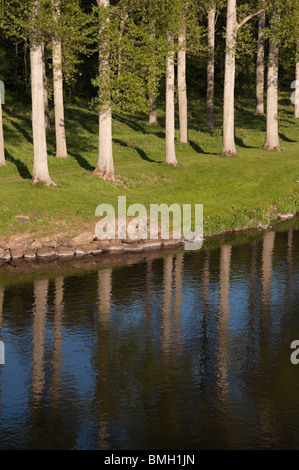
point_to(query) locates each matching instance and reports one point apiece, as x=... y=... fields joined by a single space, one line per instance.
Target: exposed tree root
x=46 y=182
x=104 y=175
x=271 y=148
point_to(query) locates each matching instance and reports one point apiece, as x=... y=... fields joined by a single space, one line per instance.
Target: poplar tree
x=126 y=66
x=260 y=62
x=232 y=27
x=272 y=137
x=25 y=21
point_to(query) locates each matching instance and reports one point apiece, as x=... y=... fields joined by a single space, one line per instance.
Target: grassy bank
x=236 y=192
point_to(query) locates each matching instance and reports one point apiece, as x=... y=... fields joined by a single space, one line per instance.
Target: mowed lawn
x=235 y=191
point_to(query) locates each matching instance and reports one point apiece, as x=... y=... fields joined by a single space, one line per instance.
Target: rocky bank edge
x=31 y=247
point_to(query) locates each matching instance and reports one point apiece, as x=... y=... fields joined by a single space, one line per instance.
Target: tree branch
x=248 y=17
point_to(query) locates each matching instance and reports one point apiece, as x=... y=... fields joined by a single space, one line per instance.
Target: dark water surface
x=187 y=351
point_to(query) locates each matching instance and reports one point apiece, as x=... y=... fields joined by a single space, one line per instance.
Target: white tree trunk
x=153 y=119
x=296 y=111
x=260 y=65
x=46 y=95
x=105 y=165
x=170 y=108
x=182 y=87
x=2 y=152
x=272 y=137
x=61 y=149
x=228 y=147
x=40 y=166
x=211 y=69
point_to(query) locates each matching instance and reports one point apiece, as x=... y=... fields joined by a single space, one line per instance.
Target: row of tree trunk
x=105 y=166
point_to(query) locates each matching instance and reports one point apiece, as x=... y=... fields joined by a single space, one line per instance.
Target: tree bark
x=228 y=147
x=46 y=95
x=170 y=108
x=105 y=165
x=153 y=119
x=61 y=148
x=2 y=151
x=40 y=167
x=272 y=137
x=211 y=69
x=260 y=65
x=182 y=87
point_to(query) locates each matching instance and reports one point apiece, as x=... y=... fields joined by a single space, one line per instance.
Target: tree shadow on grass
x=21 y=167
x=286 y=139
x=87 y=120
x=198 y=149
x=130 y=122
x=141 y=152
x=241 y=144
x=82 y=161
x=22 y=130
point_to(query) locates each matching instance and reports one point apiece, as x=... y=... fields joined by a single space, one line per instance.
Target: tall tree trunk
x=260 y=65
x=61 y=149
x=105 y=165
x=182 y=87
x=170 y=108
x=211 y=69
x=272 y=137
x=153 y=119
x=40 y=166
x=296 y=111
x=46 y=94
x=2 y=152
x=228 y=147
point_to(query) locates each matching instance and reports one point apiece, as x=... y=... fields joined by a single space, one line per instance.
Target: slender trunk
x=170 y=108
x=105 y=165
x=272 y=137
x=61 y=149
x=182 y=87
x=153 y=119
x=228 y=147
x=260 y=65
x=40 y=166
x=2 y=152
x=211 y=69
x=296 y=111
x=46 y=97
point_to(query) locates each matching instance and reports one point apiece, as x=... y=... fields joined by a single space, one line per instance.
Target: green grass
x=237 y=192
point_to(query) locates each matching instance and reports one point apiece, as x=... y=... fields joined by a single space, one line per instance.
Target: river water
x=185 y=351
